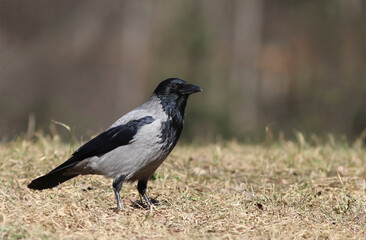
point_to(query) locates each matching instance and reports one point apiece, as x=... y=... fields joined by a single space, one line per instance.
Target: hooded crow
x=134 y=146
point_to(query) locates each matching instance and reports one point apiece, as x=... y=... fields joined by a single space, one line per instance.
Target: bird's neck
x=172 y=128
x=175 y=108
x=181 y=105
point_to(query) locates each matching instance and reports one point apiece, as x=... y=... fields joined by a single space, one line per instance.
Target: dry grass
x=231 y=190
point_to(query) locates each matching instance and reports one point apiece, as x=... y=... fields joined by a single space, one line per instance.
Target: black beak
x=189 y=89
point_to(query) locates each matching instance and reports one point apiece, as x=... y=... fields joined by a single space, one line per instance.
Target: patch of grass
x=290 y=190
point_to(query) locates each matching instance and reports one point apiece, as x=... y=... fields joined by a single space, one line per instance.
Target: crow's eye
x=174 y=86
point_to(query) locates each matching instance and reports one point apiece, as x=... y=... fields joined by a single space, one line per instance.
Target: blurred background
x=291 y=65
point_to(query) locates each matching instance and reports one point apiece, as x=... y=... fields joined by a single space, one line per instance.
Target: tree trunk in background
x=244 y=77
x=136 y=17
x=350 y=58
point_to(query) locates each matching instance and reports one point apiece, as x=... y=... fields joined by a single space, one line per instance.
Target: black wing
x=106 y=141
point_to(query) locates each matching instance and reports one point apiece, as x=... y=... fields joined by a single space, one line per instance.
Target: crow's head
x=173 y=94
x=175 y=88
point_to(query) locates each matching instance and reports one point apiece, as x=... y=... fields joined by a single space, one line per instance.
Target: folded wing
x=105 y=142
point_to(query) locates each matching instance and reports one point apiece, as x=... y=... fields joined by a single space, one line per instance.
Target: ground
x=230 y=190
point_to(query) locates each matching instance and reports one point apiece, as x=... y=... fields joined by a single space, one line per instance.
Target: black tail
x=58 y=175
x=51 y=179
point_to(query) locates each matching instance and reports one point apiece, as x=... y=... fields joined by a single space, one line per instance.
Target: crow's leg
x=141 y=187
x=117 y=186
